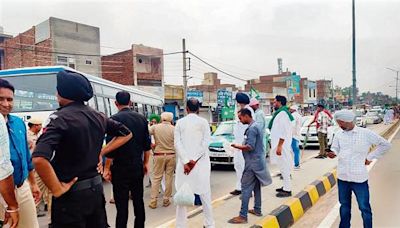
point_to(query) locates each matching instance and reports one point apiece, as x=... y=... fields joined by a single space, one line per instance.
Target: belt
x=86 y=184
x=161 y=154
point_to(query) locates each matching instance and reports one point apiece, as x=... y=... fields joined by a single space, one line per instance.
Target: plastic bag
x=184 y=196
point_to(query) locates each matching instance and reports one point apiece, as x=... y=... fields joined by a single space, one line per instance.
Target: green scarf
x=283 y=108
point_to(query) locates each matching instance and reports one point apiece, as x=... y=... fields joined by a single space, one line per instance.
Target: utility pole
x=333 y=95
x=185 y=79
x=397 y=82
x=354 y=57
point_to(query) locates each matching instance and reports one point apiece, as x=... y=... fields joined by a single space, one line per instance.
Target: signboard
x=228 y=113
x=224 y=96
x=195 y=94
x=294 y=85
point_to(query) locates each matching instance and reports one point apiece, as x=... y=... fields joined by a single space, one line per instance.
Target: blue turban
x=73 y=86
x=242 y=98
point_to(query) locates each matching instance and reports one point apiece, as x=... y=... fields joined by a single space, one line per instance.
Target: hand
x=186 y=169
x=192 y=164
x=100 y=165
x=64 y=187
x=107 y=175
x=279 y=151
x=12 y=218
x=331 y=154
x=367 y=162
x=146 y=169
x=234 y=145
x=37 y=195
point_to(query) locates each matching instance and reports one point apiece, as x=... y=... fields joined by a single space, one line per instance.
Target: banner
x=195 y=94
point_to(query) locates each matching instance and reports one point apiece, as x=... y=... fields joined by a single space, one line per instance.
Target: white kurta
x=238 y=160
x=192 y=137
x=282 y=128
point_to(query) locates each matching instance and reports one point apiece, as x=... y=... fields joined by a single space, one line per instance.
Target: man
x=259 y=117
x=192 y=136
x=238 y=132
x=255 y=173
x=164 y=158
x=11 y=214
x=26 y=190
x=281 y=142
x=296 y=134
x=153 y=120
x=323 y=118
x=35 y=126
x=73 y=143
x=352 y=146
x=129 y=163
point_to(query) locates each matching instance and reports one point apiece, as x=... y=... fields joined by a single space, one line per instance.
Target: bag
x=184 y=196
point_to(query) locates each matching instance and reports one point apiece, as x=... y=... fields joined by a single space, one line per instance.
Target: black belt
x=86 y=184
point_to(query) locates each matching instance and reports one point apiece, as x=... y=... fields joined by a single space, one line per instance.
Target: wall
x=118 y=67
x=148 y=66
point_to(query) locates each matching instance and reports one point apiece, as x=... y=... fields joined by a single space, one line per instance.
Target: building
x=324 y=92
x=3 y=37
x=55 y=42
x=140 y=66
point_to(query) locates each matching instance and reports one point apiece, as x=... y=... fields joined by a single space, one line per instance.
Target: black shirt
x=130 y=155
x=73 y=139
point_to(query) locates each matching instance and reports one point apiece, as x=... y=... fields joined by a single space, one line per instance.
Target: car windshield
x=224 y=129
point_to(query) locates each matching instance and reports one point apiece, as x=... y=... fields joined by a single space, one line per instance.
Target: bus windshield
x=34 y=92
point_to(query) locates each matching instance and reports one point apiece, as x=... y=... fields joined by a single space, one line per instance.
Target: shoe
x=112 y=201
x=236 y=192
x=252 y=211
x=238 y=220
x=153 y=205
x=40 y=214
x=284 y=194
x=279 y=189
x=297 y=168
x=320 y=157
x=166 y=203
x=46 y=207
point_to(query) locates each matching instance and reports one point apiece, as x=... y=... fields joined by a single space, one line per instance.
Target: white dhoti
x=238 y=164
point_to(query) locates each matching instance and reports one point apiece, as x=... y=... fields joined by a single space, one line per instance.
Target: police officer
x=67 y=155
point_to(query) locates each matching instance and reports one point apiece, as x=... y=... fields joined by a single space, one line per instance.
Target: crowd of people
x=62 y=166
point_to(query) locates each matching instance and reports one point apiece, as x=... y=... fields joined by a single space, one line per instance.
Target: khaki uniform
x=164 y=160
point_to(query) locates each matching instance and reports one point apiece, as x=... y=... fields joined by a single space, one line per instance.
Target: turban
x=345 y=115
x=167 y=116
x=242 y=98
x=154 y=116
x=254 y=101
x=34 y=120
x=73 y=86
x=294 y=107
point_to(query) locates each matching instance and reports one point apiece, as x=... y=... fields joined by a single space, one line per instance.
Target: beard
x=276 y=108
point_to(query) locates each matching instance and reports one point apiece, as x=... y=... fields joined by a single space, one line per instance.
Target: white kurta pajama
x=192 y=137
x=282 y=128
x=238 y=160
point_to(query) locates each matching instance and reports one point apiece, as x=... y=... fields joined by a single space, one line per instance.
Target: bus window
x=140 y=108
x=135 y=107
x=145 y=111
x=34 y=92
x=113 y=108
x=92 y=103
x=100 y=105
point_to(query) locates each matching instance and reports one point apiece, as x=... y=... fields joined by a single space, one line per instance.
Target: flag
x=254 y=93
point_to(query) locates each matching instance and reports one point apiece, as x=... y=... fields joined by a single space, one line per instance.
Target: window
x=314 y=93
x=66 y=61
x=113 y=108
x=100 y=105
x=34 y=92
x=92 y=103
x=88 y=62
x=140 y=108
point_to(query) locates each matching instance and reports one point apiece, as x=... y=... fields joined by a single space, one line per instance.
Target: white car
x=361 y=119
x=311 y=133
x=373 y=117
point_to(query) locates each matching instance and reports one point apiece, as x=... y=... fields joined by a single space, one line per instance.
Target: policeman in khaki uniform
x=67 y=155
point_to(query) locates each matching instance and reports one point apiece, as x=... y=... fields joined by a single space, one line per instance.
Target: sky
x=241 y=37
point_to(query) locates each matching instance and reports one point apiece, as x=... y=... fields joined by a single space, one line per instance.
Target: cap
x=73 y=86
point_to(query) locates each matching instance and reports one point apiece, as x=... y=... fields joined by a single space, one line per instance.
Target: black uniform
x=72 y=141
x=127 y=168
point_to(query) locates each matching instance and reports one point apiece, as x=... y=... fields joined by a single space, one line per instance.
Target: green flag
x=254 y=93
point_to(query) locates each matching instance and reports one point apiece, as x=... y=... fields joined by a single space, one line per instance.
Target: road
x=223 y=180
x=384 y=184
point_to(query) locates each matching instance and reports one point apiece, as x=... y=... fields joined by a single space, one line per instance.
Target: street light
x=397 y=80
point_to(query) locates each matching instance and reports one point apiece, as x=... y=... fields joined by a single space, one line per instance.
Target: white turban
x=345 y=115
x=167 y=116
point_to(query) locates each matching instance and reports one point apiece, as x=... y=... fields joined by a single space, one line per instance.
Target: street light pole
x=354 y=56
x=185 y=79
x=397 y=81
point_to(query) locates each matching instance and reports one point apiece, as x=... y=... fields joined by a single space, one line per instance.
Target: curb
x=293 y=209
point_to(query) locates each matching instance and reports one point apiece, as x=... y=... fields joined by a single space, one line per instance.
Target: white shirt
x=297 y=125
x=282 y=128
x=6 y=168
x=192 y=137
x=352 y=148
x=259 y=117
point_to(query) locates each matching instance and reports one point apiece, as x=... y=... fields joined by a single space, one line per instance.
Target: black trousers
x=80 y=209
x=122 y=185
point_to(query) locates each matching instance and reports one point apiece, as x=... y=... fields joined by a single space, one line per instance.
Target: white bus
x=35 y=93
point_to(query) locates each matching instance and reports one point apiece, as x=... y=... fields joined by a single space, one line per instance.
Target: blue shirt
x=20 y=155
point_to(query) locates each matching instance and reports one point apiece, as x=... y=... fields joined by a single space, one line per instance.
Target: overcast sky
x=242 y=37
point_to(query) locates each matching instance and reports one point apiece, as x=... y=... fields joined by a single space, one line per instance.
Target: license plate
x=216 y=154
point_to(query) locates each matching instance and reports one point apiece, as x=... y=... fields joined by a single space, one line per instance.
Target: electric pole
x=184 y=76
x=354 y=57
x=397 y=82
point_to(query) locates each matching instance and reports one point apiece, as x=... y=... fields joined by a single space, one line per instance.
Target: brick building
x=55 y=42
x=3 y=37
x=324 y=91
x=140 y=66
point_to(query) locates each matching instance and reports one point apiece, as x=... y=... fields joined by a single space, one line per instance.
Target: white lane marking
x=334 y=213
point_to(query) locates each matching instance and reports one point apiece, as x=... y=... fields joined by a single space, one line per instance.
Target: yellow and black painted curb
x=291 y=211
